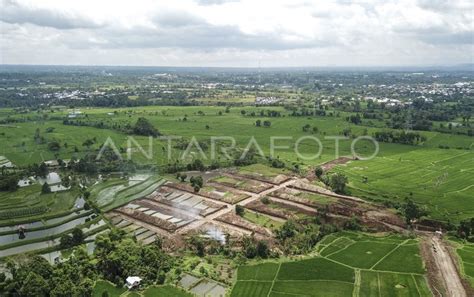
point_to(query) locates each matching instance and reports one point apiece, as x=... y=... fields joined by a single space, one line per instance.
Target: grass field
x=102 y=286
x=349 y=264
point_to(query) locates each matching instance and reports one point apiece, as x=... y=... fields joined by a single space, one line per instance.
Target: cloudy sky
x=242 y=33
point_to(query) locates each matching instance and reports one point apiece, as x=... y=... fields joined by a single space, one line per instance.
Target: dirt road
x=447 y=268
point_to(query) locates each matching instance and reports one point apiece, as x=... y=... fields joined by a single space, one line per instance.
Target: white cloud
x=237 y=33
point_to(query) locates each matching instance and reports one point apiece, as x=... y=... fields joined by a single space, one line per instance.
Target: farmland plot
x=212 y=191
x=113 y=193
x=440 y=179
x=186 y=201
x=350 y=265
x=304 y=197
x=263 y=173
x=241 y=183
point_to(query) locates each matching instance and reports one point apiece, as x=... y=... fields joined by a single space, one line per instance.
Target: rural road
x=450 y=276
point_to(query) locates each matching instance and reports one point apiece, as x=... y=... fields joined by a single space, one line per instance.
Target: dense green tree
x=262 y=249
x=412 y=211
x=54 y=146
x=249 y=247
x=196 y=181
x=239 y=210
x=34 y=285
x=45 y=189
x=287 y=230
x=144 y=127
x=338 y=183
x=66 y=241
x=77 y=236
x=42 y=170
x=9 y=182
x=318 y=171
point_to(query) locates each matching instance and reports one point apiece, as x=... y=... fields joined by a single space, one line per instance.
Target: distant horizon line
x=419 y=67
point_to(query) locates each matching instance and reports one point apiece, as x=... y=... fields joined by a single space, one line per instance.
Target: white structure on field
x=132 y=282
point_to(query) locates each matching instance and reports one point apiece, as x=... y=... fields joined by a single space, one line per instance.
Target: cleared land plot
x=238 y=221
x=304 y=197
x=262 y=220
x=185 y=201
x=280 y=209
x=212 y=191
x=264 y=173
x=162 y=219
x=241 y=183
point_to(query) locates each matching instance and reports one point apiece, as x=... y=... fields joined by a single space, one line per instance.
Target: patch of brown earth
x=170 y=227
x=235 y=220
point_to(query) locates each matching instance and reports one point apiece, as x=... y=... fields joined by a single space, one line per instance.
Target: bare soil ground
x=443 y=275
x=331 y=164
x=275 y=180
x=328 y=166
x=235 y=220
x=245 y=184
x=220 y=193
x=260 y=207
x=138 y=215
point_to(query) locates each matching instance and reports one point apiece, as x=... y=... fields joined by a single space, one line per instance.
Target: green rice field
x=346 y=264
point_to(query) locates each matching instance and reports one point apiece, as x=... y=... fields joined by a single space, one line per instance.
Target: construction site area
x=175 y=210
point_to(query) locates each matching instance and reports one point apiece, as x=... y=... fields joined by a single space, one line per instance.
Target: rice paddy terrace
x=44 y=218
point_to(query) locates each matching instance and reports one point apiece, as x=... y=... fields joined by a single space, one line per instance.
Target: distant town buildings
x=267 y=100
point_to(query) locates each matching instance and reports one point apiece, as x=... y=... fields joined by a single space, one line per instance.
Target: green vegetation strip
x=44 y=227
